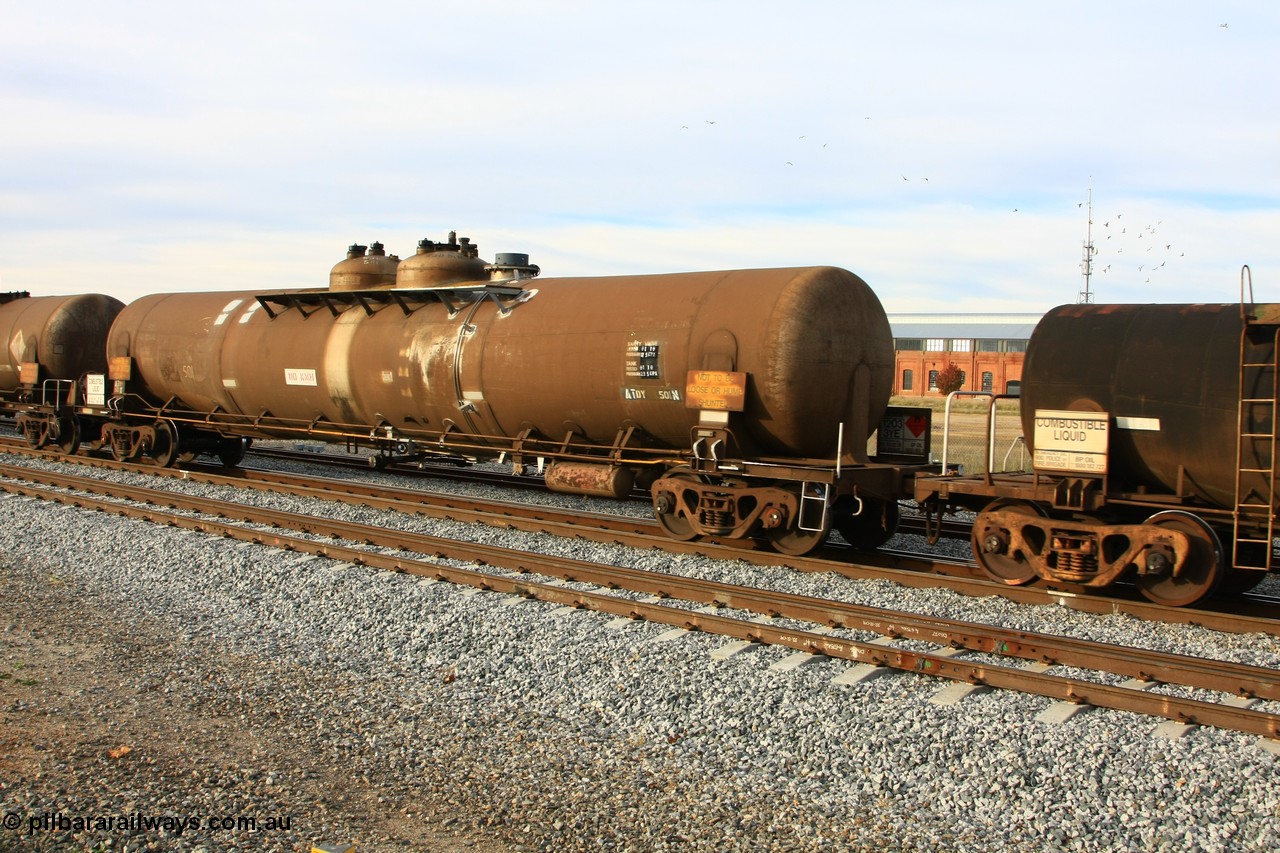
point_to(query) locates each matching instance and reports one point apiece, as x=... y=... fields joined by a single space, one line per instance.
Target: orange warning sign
x=716 y=389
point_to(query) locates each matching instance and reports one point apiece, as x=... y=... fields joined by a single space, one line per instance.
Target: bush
x=950 y=378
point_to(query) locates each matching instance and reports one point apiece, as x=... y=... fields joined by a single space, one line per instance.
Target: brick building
x=988 y=348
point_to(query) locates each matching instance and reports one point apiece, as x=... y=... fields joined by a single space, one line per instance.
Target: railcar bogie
x=43 y=429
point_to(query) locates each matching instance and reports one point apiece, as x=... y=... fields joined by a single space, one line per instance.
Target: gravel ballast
x=376 y=708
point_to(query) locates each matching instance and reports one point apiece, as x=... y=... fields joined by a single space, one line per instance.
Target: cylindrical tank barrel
x=65 y=335
x=1168 y=375
x=587 y=357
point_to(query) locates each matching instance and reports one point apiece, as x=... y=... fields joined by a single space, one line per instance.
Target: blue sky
x=943 y=151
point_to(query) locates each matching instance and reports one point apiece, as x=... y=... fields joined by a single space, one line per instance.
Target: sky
x=945 y=152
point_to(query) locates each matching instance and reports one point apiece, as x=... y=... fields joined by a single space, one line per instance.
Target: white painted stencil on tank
x=226 y=312
x=249 y=312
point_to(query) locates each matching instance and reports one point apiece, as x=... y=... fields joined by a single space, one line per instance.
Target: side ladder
x=1254 y=519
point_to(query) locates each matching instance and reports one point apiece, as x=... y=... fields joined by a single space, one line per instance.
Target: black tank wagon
x=50 y=344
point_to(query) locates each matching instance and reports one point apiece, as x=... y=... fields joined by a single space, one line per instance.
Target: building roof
x=1002 y=326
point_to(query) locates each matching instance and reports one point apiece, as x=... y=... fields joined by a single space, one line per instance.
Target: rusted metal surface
x=64 y=335
x=1085 y=553
x=173 y=343
x=437 y=264
x=1167 y=374
x=750 y=377
x=576 y=478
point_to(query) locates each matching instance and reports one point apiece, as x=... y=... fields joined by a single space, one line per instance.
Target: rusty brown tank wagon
x=743 y=399
x=1153 y=433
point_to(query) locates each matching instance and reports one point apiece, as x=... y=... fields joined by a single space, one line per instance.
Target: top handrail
x=1245 y=274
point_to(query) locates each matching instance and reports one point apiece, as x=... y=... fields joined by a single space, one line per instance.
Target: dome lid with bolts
x=440 y=264
x=365 y=268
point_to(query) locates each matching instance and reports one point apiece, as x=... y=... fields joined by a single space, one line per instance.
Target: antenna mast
x=1086 y=264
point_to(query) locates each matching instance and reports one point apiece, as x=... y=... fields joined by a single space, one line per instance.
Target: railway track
x=1252 y=613
x=672 y=600
x=1258 y=611
x=1245 y=614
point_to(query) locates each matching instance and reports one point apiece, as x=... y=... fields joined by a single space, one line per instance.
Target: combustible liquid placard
x=1071 y=441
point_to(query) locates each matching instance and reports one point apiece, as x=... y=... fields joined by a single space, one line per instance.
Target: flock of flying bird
x=1124 y=240
x=1132 y=245
x=1105 y=249
x=802 y=136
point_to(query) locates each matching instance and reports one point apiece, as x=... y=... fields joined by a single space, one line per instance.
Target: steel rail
x=1146 y=665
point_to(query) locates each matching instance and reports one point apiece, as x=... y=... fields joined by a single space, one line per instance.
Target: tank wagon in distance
x=51 y=342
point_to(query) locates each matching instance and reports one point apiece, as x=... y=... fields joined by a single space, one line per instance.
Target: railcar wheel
x=164 y=450
x=792 y=540
x=869 y=529
x=665 y=504
x=990 y=544
x=795 y=542
x=68 y=440
x=1204 y=567
x=231 y=451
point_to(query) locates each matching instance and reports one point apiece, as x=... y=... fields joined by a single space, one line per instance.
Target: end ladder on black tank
x=1254 y=518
